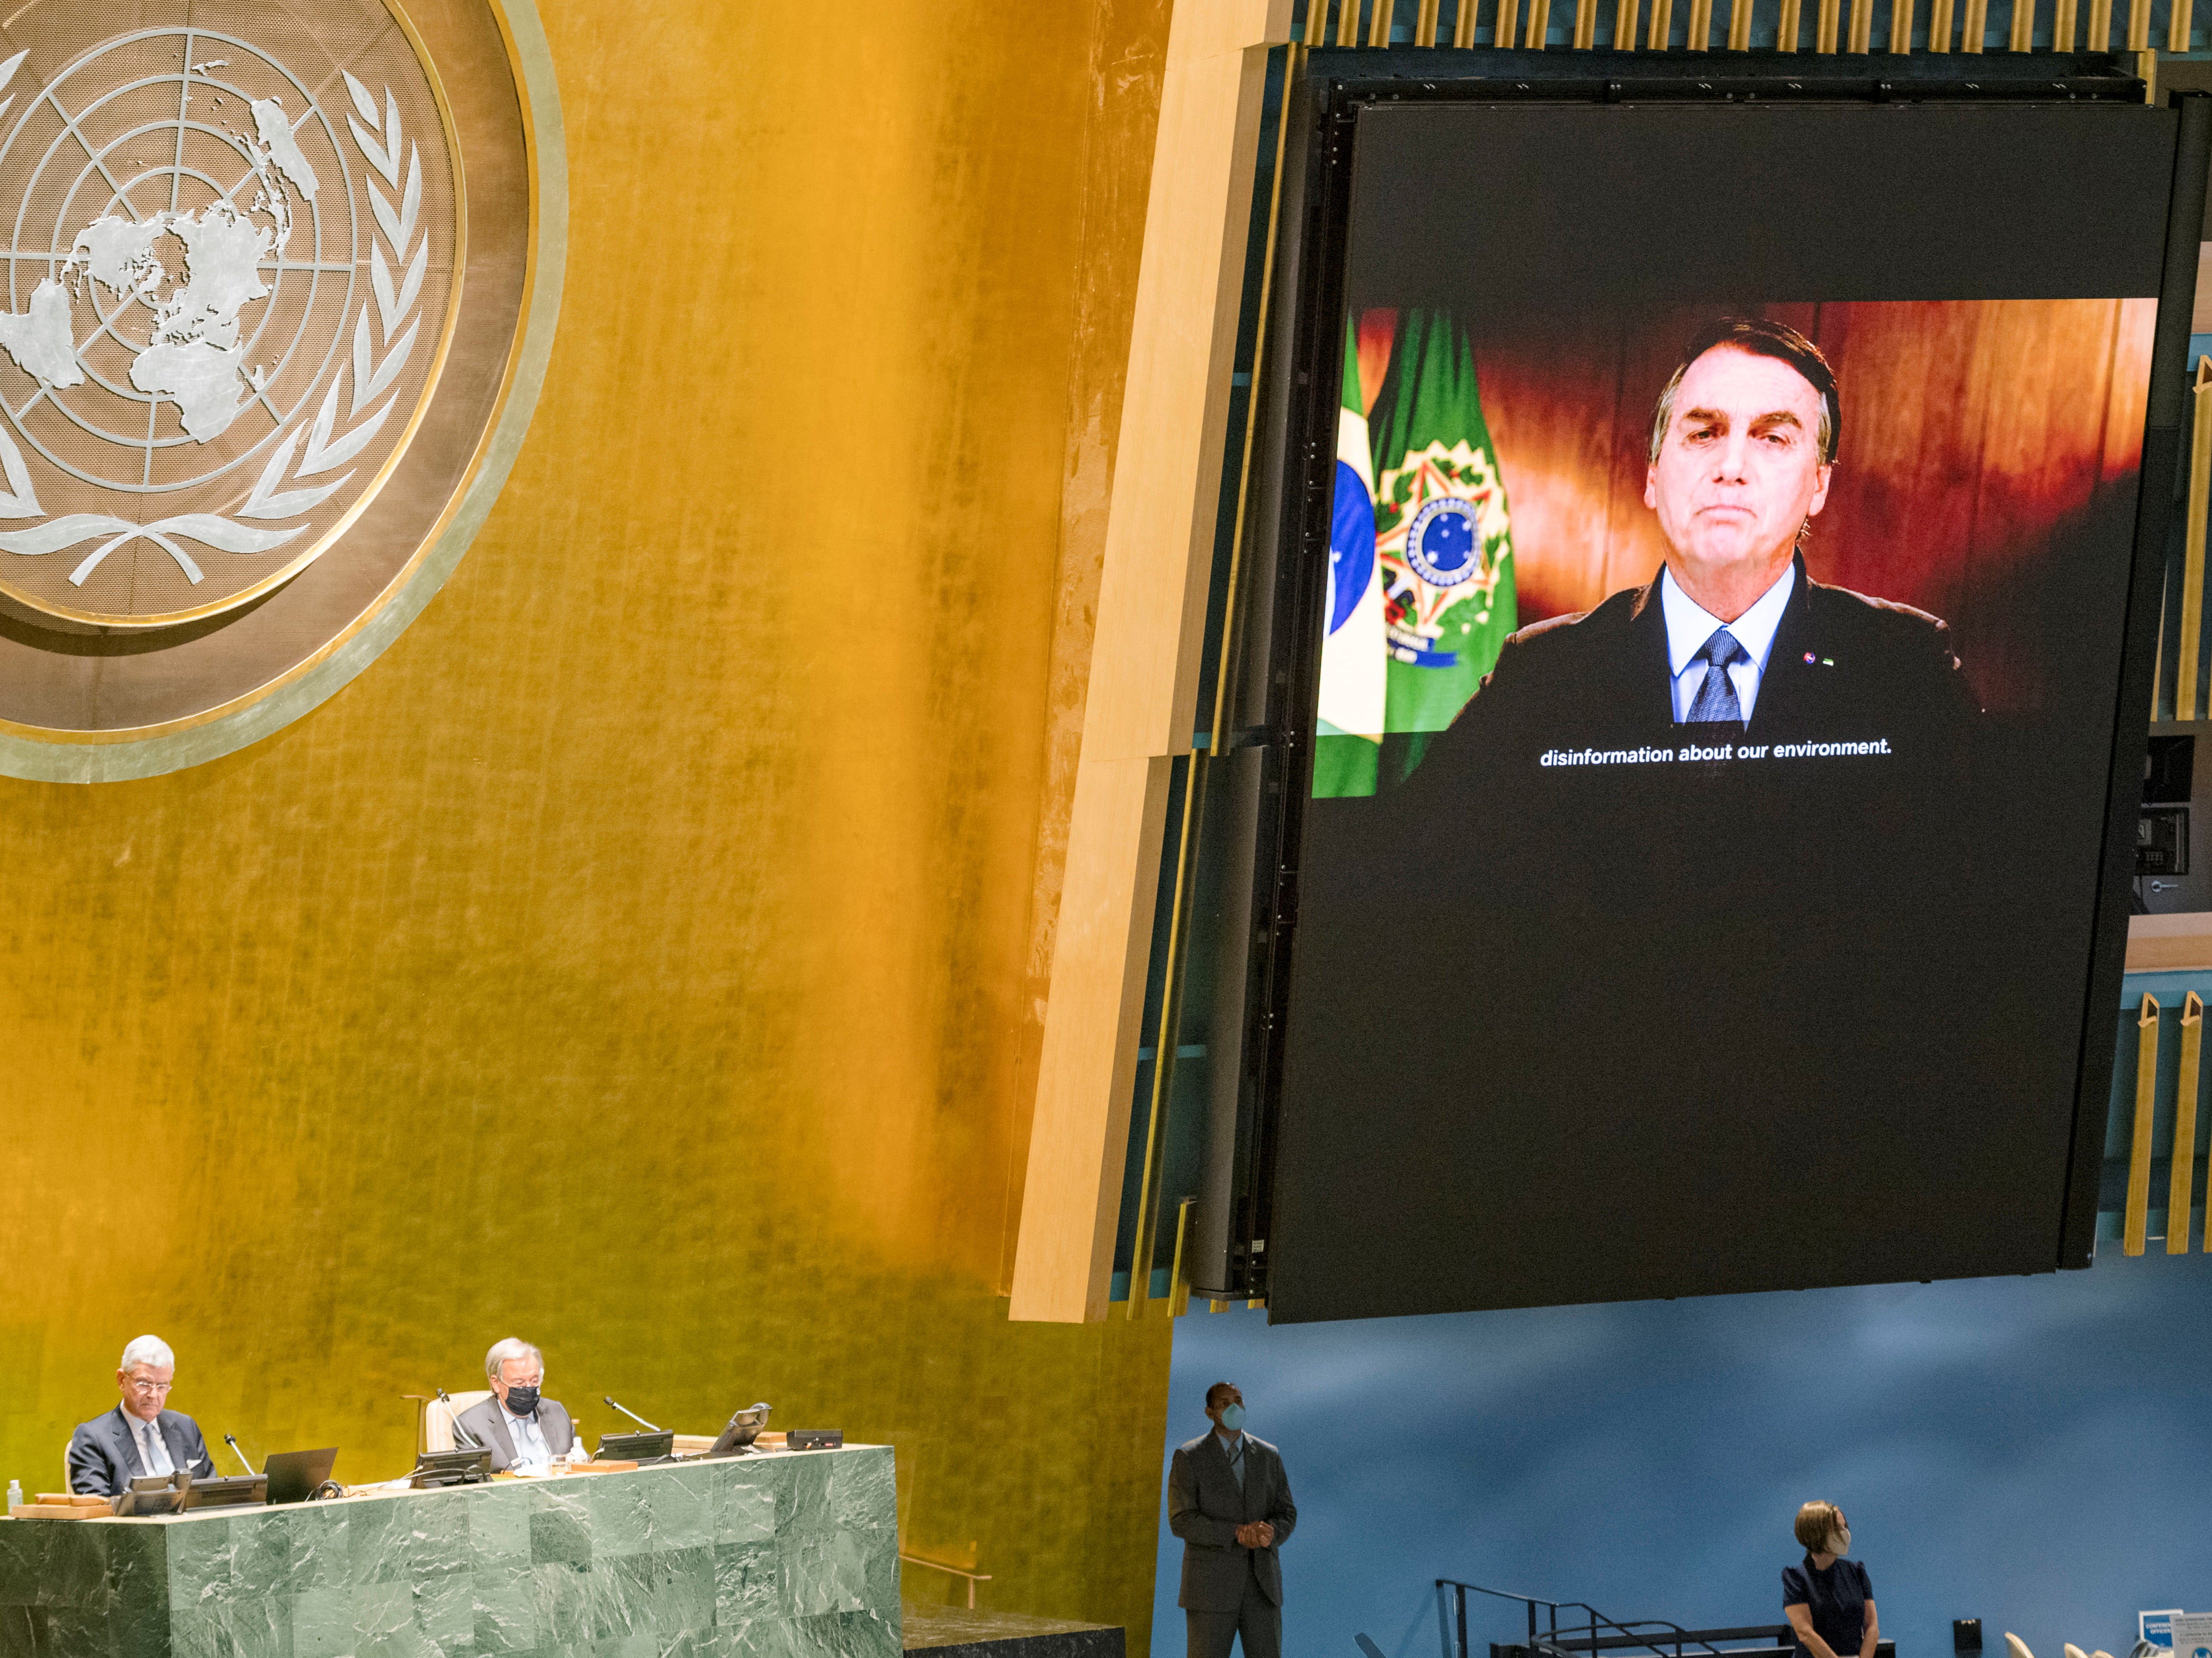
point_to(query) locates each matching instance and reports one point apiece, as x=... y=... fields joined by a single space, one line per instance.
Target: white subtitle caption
x=1725 y=751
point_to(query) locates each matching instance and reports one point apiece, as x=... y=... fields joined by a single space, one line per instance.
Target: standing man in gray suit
x=1230 y=1501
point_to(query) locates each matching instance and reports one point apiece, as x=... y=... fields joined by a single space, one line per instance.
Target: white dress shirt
x=1689 y=625
x=153 y=1449
x=529 y=1440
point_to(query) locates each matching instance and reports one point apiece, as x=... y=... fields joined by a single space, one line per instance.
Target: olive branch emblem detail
x=385 y=333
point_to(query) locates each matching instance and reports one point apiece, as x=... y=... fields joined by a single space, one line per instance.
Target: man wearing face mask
x=1230 y=1501
x=1829 y=1600
x=524 y=1431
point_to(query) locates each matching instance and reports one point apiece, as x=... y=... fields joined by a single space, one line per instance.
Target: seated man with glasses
x=525 y=1431
x=138 y=1438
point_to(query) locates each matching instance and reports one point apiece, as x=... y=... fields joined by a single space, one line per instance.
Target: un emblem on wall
x=278 y=282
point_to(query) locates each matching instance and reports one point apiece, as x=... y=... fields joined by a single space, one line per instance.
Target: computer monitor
x=636 y=1448
x=295 y=1476
x=231 y=1491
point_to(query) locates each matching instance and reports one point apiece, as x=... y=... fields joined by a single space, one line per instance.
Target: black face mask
x=522 y=1401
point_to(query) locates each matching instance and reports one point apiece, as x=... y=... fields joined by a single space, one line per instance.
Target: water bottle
x=15 y=1495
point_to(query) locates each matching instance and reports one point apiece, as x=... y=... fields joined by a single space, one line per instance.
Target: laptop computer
x=295 y=1476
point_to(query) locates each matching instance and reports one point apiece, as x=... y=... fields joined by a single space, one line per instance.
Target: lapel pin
x=1808 y=656
x=1827 y=661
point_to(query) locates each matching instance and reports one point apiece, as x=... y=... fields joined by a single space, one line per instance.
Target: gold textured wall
x=647 y=956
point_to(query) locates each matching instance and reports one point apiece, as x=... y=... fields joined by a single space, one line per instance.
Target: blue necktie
x=1716 y=696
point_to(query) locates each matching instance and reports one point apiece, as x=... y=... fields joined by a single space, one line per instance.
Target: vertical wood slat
x=2135 y=1223
x=1974 y=27
x=1585 y=24
x=1501 y=32
x=2138 y=25
x=2064 y=26
x=2192 y=562
x=1539 y=25
x=1701 y=26
x=1378 y=23
x=1824 y=39
x=1425 y=24
x=1463 y=24
x=1739 y=35
x=2100 y=27
x=1316 y=29
x=1939 y=24
x=1788 y=25
x=1861 y=38
x=1900 y=25
x=2022 y=38
x=2181 y=1193
x=1347 y=22
x=2179 y=24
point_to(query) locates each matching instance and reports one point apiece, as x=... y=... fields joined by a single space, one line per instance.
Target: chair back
x=438 y=1419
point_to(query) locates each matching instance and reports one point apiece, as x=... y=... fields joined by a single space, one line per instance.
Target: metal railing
x=1655 y=1636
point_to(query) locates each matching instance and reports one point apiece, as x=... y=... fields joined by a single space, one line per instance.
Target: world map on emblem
x=228 y=284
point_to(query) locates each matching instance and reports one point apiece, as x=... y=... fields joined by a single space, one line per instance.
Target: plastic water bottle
x=15 y=1495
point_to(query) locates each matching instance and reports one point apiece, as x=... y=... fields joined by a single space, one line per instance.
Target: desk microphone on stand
x=470 y=1442
x=633 y=1415
x=235 y=1452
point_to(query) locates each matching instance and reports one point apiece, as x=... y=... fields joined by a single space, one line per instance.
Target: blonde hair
x=1816 y=1523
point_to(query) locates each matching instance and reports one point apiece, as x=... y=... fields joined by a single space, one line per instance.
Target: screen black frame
x=1293 y=479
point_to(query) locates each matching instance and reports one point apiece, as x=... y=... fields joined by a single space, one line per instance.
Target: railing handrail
x=1549 y=1640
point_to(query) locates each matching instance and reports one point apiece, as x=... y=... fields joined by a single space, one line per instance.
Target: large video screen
x=1715 y=693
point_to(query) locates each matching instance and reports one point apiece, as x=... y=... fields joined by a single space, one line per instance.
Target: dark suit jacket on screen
x=1842 y=667
x=103 y=1453
x=488 y=1422
x=1206 y=1505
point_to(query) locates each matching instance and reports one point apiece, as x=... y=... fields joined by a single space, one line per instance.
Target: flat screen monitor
x=1721 y=553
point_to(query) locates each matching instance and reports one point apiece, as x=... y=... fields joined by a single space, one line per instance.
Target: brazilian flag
x=1443 y=541
x=1353 y=678
x=1441 y=601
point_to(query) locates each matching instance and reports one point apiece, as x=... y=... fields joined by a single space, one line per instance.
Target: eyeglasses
x=138 y=1386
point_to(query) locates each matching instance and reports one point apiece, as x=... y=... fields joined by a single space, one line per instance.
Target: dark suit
x=486 y=1420
x=1842 y=667
x=103 y=1453
x=1228 y=1589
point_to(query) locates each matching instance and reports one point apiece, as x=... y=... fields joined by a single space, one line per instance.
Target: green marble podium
x=777 y=1556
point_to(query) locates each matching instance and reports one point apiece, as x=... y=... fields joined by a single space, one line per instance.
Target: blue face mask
x=1232 y=1417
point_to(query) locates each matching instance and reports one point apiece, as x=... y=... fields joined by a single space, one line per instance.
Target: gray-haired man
x=525 y=1431
x=138 y=1439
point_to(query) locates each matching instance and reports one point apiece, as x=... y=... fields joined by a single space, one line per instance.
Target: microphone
x=468 y=1440
x=631 y=1414
x=235 y=1452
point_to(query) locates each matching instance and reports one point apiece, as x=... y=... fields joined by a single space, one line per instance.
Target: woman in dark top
x=1829 y=1600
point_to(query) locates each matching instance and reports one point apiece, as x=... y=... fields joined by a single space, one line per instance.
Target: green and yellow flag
x=1421 y=592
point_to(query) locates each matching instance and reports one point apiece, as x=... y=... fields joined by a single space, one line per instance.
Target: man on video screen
x=1732 y=642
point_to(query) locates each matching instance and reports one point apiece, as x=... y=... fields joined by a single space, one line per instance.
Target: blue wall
x=2034 y=1452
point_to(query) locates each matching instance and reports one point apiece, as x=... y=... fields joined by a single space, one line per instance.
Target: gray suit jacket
x=1205 y=1508
x=103 y=1457
x=488 y=1422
